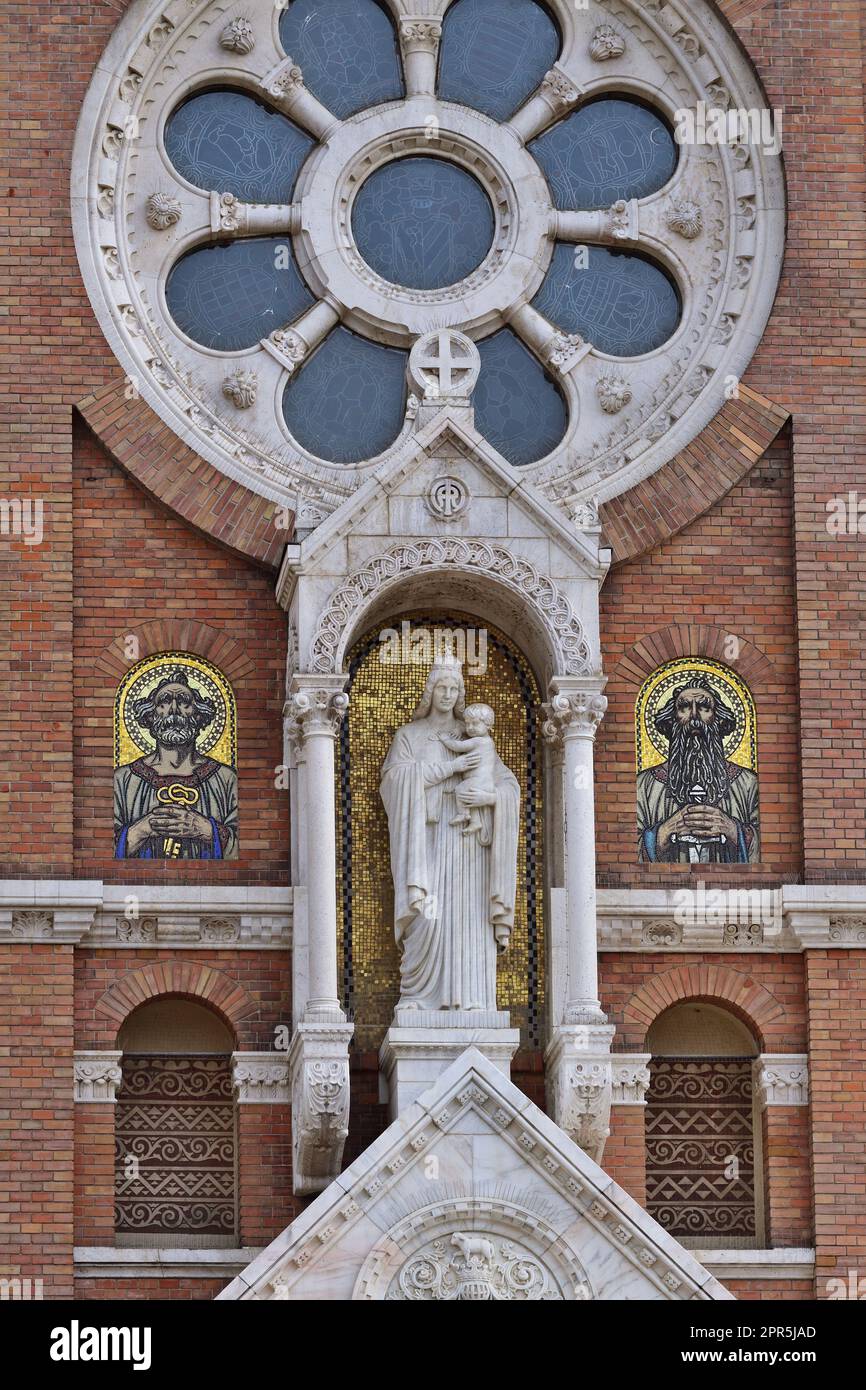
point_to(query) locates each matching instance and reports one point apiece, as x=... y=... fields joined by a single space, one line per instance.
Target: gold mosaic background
x=383 y=697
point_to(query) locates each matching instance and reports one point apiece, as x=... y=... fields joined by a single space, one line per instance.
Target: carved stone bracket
x=97 y=1076
x=579 y=1084
x=260 y=1078
x=781 y=1079
x=319 y=1066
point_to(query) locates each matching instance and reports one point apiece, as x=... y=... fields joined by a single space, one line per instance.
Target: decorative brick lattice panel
x=700 y=1147
x=175 y=1147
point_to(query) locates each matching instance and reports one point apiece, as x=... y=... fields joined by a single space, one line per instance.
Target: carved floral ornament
x=716 y=226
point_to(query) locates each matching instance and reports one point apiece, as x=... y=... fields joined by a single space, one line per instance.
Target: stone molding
x=781 y=1078
x=97 y=1076
x=742 y=919
x=630 y=1078
x=785 y=1263
x=90 y=913
x=261 y=1078
x=155 y=1262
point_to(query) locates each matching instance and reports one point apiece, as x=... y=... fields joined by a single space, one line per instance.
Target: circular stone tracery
x=423 y=223
x=724 y=257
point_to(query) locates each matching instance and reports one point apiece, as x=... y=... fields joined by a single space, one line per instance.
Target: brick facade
x=131 y=547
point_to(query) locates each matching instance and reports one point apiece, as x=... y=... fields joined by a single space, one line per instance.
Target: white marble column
x=319 y=1053
x=420 y=36
x=578 y=1063
x=573 y=714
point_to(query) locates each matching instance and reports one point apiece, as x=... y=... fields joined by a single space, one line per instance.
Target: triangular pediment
x=473 y=1192
x=500 y=501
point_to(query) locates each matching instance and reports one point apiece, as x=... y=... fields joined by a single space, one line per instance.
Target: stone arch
x=228 y=999
x=754 y=1005
x=485 y=565
x=177 y=635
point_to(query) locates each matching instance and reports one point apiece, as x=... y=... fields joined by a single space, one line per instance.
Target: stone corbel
x=319 y=1067
x=630 y=1078
x=781 y=1078
x=260 y=1078
x=579 y=1075
x=97 y=1076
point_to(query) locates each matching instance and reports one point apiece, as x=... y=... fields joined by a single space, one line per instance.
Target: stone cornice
x=794 y=917
x=90 y=913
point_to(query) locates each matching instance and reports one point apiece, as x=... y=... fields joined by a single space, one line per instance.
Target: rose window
x=278 y=202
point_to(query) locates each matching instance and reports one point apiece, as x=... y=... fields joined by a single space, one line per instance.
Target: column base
x=319 y=1068
x=579 y=1080
x=414 y=1056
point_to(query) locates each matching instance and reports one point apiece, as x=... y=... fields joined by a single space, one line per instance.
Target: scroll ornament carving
x=421 y=34
x=316 y=712
x=517 y=573
x=686 y=218
x=614 y=393
x=558 y=89
x=32 y=924
x=583 y=1105
x=482 y=1268
x=241 y=388
x=323 y=1116
x=97 y=1075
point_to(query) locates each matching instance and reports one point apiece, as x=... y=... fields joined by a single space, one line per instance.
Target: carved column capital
x=314 y=709
x=573 y=714
x=781 y=1078
x=420 y=35
x=630 y=1078
x=319 y=1064
x=558 y=90
x=260 y=1078
x=97 y=1076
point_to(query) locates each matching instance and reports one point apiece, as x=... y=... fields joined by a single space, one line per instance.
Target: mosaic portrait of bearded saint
x=454 y=891
x=175 y=803
x=697 y=807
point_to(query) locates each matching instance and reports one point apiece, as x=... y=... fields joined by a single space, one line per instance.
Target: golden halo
x=739 y=743
x=133 y=740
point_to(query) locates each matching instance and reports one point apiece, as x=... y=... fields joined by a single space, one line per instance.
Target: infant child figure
x=478 y=722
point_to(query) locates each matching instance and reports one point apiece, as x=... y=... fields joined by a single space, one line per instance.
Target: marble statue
x=453 y=849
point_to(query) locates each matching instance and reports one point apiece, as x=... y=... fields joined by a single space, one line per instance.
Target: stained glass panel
x=494 y=54
x=619 y=302
x=607 y=150
x=230 y=297
x=423 y=223
x=347 y=51
x=348 y=402
x=229 y=142
x=517 y=406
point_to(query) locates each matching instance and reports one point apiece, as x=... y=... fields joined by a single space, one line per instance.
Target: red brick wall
x=732 y=572
x=94 y=1173
x=138 y=1289
x=36 y=1115
x=837 y=1077
x=625 y=1150
x=786 y=1290
x=787 y=1176
x=135 y=563
x=266 y=1204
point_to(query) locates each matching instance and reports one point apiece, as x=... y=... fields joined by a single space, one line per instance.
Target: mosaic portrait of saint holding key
x=175 y=753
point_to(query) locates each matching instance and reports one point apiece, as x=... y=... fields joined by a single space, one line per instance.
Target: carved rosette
x=97 y=1076
x=606 y=43
x=162 y=211
x=576 y=714
x=241 y=388
x=319 y=1062
x=238 y=37
x=630 y=1079
x=685 y=217
x=614 y=393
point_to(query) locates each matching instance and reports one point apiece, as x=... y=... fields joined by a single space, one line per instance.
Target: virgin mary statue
x=453 y=890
